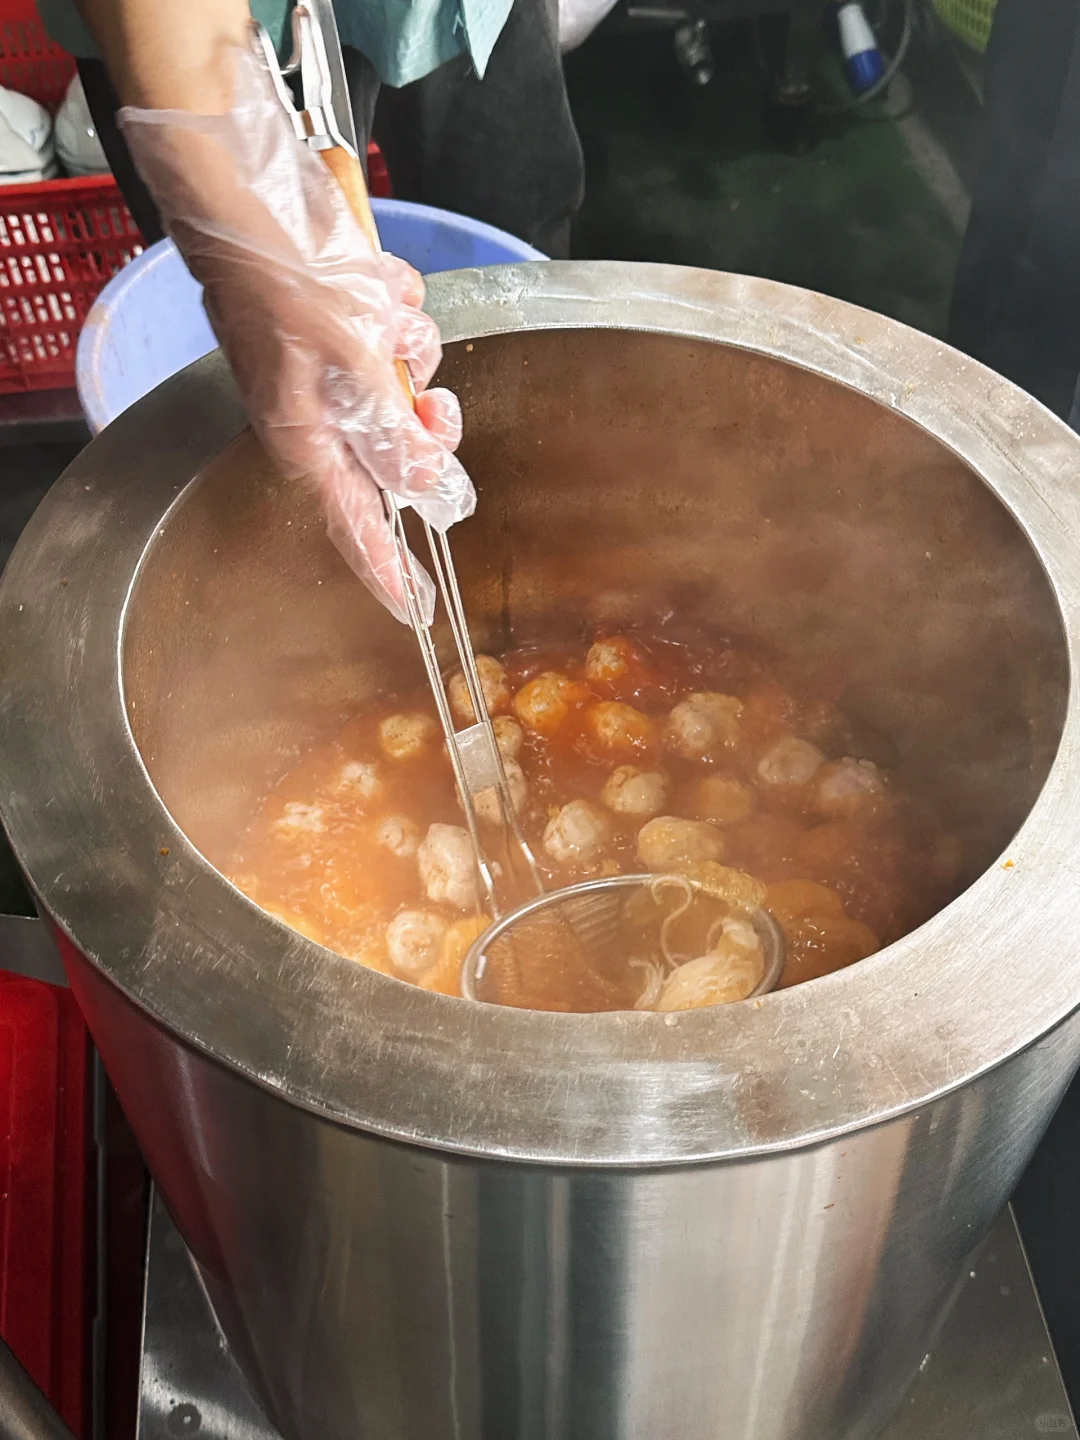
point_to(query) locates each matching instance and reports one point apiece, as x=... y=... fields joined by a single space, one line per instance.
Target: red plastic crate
x=61 y=240
x=45 y=1200
x=29 y=61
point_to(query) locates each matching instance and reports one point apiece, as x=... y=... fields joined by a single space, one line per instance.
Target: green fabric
x=403 y=39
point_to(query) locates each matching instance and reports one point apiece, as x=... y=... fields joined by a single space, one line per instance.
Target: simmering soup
x=637 y=752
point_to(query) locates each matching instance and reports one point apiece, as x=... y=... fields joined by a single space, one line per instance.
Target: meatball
x=399 y=835
x=448 y=866
x=359 y=780
x=299 y=819
x=487 y=802
x=493 y=684
x=790 y=762
x=721 y=799
x=630 y=791
x=610 y=728
x=545 y=703
x=610 y=661
x=703 y=724
x=731 y=970
x=577 y=834
x=508 y=736
x=404 y=736
x=848 y=785
x=616 y=667
x=414 y=940
x=668 y=842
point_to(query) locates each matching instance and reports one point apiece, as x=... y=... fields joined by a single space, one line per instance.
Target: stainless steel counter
x=992 y=1375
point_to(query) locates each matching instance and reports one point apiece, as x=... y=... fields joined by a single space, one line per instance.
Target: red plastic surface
x=60 y=240
x=45 y=1200
x=378 y=175
x=29 y=61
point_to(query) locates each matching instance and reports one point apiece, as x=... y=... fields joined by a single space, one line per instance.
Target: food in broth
x=636 y=753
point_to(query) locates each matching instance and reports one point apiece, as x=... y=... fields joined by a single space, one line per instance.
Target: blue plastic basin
x=148 y=322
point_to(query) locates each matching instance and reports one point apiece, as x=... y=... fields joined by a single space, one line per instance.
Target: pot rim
x=920 y=1018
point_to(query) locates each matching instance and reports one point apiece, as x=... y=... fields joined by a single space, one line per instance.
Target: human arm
x=309 y=316
x=167 y=56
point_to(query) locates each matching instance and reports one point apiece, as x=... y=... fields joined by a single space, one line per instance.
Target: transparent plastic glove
x=311 y=319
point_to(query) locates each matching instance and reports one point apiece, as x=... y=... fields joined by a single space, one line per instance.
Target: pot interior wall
x=623 y=476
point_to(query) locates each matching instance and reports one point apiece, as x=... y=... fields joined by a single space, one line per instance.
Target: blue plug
x=863 y=61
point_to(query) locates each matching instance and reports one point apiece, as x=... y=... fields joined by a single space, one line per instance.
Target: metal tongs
x=324 y=121
x=589 y=915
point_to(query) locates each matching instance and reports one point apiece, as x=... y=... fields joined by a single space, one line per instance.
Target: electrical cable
x=875 y=91
x=892 y=69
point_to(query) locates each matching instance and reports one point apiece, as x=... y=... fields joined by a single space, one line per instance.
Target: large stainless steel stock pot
x=423 y=1220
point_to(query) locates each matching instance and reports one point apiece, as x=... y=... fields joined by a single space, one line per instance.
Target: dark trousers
x=503 y=149
x=1016 y=301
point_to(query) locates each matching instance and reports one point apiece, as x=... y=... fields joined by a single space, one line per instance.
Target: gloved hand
x=310 y=318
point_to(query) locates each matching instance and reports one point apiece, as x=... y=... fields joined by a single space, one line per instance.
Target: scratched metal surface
x=991 y=1375
x=541 y=1248
x=866 y=438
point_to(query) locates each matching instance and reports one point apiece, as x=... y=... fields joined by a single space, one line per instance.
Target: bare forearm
x=169 y=54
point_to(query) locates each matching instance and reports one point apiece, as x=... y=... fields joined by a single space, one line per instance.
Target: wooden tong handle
x=349 y=174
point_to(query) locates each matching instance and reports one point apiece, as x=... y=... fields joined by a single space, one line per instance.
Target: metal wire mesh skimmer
x=594 y=946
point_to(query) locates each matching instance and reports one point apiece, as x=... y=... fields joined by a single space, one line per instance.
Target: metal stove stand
x=992 y=1376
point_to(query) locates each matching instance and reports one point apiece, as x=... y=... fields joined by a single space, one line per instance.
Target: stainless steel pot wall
x=418 y=1218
